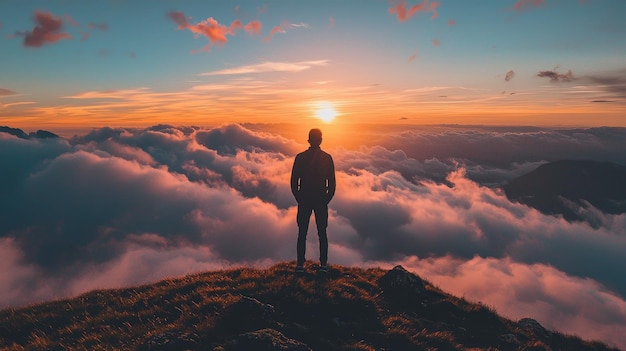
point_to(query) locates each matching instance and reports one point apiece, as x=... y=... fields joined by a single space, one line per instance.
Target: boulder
x=399 y=279
x=533 y=327
x=248 y=314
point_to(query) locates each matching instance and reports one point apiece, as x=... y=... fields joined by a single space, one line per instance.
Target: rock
x=399 y=279
x=402 y=289
x=248 y=314
x=510 y=338
x=269 y=340
x=534 y=327
x=170 y=341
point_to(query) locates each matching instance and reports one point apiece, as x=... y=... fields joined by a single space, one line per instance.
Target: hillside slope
x=273 y=309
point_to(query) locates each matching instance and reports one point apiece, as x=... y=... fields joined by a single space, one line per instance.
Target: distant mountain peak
x=565 y=187
x=40 y=134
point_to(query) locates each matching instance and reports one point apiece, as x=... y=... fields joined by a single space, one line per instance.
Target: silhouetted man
x=313 y=186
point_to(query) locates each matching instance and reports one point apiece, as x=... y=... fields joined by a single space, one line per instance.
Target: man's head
x=315 y=137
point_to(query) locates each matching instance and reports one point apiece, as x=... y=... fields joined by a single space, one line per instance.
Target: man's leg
x=321 y=221
x=303 y=218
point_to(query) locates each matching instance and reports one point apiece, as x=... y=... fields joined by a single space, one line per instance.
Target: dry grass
x=346 y=310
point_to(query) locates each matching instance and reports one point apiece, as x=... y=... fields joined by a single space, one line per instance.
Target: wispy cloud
x=71 y=21
x=6 y=92
x=523 y=5
x=253 y=27
x=101 y=26
x=282 y=28
x=269 y=67
x=613 y=83
x=47 y=30
x=399 y=8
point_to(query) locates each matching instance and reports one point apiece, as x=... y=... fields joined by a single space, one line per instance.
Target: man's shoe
x=323 y=269
x=299 y=269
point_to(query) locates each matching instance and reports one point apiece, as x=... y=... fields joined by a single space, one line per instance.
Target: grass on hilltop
x=347 y=310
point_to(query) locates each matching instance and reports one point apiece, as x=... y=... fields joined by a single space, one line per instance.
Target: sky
x=68 y=65
x=179 y=123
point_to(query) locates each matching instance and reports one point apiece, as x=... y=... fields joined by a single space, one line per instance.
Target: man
x=313 y=186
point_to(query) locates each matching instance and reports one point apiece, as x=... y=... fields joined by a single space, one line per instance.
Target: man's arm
x=295 y=177
x=331 y=179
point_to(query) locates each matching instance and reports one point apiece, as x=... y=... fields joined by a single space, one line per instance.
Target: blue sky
x=445 y=63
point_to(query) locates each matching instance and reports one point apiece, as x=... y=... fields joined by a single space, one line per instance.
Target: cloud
x=451 y=23
x=436 y=42
x=47 y=30
x=6 y=92
x=71 y=21
x=253 y=27
x=101 y=26
x=414 y=56
x=614 y=83
x=210 y=28
x=556 y=76
x=400 y=10
x=121 y=206
x=509 y=75
x=282 y=28
x=523 y=5
x=269 y=67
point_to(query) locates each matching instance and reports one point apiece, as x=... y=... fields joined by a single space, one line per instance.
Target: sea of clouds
x=118 y=207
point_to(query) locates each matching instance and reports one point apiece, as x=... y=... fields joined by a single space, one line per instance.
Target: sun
x=325 y=112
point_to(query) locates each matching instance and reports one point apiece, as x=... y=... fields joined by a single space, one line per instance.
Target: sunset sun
x=325 y=112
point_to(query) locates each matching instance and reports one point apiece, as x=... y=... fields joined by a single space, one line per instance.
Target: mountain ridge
x=274 y=309
x=569 y=187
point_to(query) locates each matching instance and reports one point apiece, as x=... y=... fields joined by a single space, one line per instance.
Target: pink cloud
x=436 y=42
x=253 y=27
x=451 y=23
x=277 y=29
x=282 y=28
x=413 y=57
x=522 y=5
x=210 y=28
x=71 y=21
x=400 y=9
x=47 y=30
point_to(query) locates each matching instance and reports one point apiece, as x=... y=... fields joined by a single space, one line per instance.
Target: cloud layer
x=118 y=207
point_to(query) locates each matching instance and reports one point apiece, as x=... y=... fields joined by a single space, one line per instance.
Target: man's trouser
x=321 y=221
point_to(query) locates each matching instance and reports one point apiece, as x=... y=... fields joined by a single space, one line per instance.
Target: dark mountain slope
x=40 y=134
x=563 y=187
x=272 y=309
